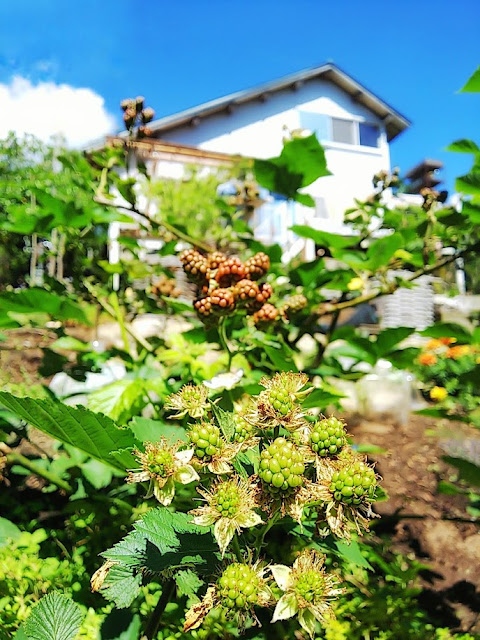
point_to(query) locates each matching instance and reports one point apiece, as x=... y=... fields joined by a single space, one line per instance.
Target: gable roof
x=395 y=122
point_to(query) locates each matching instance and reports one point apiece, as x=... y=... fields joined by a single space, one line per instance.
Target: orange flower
x=458 y=351
x=447 y=341
x=434 y=344
x=427 y=359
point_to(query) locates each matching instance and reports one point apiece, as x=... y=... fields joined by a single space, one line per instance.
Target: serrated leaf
x=119 y=400
x=121 y=586
x=161 y=526
x=148 y=430
x=54 y=617
x=225 y=421
x=93 y=433
x=188 y=583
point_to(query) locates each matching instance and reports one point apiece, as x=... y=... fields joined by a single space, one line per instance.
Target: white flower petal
x=224 y=531
x=186 y=474
x=166 y=493
x=204 y=520
x=282 y=575
x=219 y=467
x=249 y=519
x=184 y=456
x=286 y=607
x=307 y=621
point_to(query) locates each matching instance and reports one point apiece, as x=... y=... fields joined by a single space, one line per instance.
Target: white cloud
x=47 y=109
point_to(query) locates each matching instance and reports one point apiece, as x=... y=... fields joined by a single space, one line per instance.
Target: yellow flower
x=355 y=284
x=163 y=465
x=438 y=394
x=308 y=590
x=190 y=399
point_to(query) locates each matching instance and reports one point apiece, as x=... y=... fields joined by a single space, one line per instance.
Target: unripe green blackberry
x=207 y=440
x=281 y=401
x=238 y=587
x=243 y=429
x=354 y=483
x=310 y=586
x=257 y=266
x=226 y=499
x=160 y=462
x=295 y=304
x=281 y=467
x=328 y=437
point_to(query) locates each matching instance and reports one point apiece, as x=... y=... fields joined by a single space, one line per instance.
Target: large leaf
x=381 y=251
x=446 y=330
x=8 y=531
x=55 y=617
x=120 y=625
x=463 y=146
x=148 y=430
x=37 y=300
x=225 y=421
x=468 y=471
x=473 y=83
x=469 y=184
x=301 y=162
x=119 y=400
x=389 y=338
x=93 y=433
x=323 y=238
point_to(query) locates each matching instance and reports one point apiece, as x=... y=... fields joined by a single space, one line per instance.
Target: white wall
x=257 y=128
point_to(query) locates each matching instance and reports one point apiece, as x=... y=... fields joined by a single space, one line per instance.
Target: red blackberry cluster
x=225 y=284
x=135 y=114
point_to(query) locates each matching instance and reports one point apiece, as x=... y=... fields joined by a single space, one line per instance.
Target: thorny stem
x=155 y=619
x=332 y=308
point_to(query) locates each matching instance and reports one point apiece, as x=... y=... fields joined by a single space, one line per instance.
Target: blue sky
x=415 y=55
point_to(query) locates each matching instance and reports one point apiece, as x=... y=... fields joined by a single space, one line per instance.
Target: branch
x=17 y=458
x=328 y=307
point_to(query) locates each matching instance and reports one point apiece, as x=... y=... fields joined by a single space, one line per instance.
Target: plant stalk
x=17 y=458
x=154 y=623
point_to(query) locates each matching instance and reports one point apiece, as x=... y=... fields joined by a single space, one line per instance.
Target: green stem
x=120 y=320
x=156 y=617
x=222 y=334
x=236 y=548
x=261 y=538
x=17 y=458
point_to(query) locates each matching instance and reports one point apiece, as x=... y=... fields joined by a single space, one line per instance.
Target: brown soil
x=434 y=526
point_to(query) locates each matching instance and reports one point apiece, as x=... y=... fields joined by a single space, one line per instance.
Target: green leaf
x=447 y=330
x=281 y=359
x=468 y=471
x=120 y=625
x=323 y=238
x=69 y=343
x=469 y=184
x=37 y=300
x=473 y=83
x=321 y=398
x=389 y=338
x=381 y=251
x=188 y=583
x=119 y=400
x=147 y=430
x=225 y=421
x=352 y=553
x=54 y=617
x=463 y=146
x=121 y=586
x=97 y=473
x=449 y=489
x=305 y=199
x=93 y=433
x=301 y=162
x=8 y=531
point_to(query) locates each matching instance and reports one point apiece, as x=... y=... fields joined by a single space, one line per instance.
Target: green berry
x=310 y=586
x=243 y=429
x=281 y=402
x=226 y=499
x=206 y=439
x=160 y=463
x=328 y=437
x=354 y=484
x=238 y=587
x=281 y=467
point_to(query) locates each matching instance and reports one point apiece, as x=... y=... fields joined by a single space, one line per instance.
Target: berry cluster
x=328 y=437
x=281 y=467
x=161 y=462
x=243 y=429
x=206 y=439
x=238 y=587
x=310 y=586
x=135 y=114
x=226 y=499
x=164 y=286
x=226 y=284
x=354 y=484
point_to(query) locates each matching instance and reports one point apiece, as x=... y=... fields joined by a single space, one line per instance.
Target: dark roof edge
x=394 y=120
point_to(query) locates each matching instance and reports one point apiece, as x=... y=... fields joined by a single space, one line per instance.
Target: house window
x=369 y=134
x=343 y=131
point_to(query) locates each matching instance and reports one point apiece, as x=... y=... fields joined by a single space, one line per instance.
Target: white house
x=354 y=125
